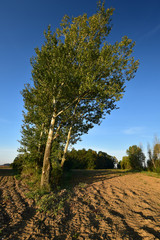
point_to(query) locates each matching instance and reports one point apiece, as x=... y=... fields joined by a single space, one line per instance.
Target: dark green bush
x=56 y=174
x=18 y=163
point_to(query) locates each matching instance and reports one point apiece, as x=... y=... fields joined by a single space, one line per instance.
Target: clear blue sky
x=22 y=24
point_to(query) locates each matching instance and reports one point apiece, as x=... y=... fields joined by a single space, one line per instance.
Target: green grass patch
x=82 y=185
x=151 y=174
x=49 y=202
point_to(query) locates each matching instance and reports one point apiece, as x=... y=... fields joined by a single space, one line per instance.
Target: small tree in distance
x=125 y=164
x=134 y=160
x=154 y=156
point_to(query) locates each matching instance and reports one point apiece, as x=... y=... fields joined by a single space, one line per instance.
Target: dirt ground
x=121 y=207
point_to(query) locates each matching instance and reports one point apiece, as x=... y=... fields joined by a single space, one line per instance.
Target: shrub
x=18 y=163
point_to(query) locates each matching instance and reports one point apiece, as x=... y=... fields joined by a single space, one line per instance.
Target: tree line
x=89 y=159
x=135 y=158
x=77 y=78
x=78 y=159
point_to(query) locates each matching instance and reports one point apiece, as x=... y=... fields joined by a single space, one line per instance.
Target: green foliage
x=36 y=194
x=56 y=174
x=82 y=185
x=153 y=162
x=134 y=160
x=46 y=202
x=105 y=161
x=49 y=201
x=125 y=163
x=78 y=77
x=119 y=165
x=156 y=150
x=31 y=175
x=152 y=174
x=88 y=159
x=157 y=169
x=19 y=162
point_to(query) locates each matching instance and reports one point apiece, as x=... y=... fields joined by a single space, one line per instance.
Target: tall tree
x=77 y=66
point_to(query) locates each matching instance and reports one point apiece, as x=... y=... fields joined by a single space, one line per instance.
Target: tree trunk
x=45 y=178
x=68 y=138
x=66 y=147
x=41 y=134
x=153 y=162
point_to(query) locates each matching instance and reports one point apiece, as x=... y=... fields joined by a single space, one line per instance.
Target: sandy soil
x=123 y=207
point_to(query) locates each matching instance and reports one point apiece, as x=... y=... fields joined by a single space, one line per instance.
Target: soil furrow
x=126 y=207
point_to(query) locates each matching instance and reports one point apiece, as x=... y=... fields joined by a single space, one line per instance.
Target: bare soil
x=115 y=207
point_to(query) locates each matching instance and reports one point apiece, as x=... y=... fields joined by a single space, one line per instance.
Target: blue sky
x=22 y=24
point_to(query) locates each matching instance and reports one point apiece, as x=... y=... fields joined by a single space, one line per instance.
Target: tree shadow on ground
x=76 y=177
x=7 y=172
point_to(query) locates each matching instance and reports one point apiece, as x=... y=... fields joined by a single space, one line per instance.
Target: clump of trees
x=89 y=159
x=153 y=162
x=77 y=78
x=135 y=159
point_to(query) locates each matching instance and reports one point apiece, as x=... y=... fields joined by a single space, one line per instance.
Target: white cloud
x=151 y=32
x=134 y=130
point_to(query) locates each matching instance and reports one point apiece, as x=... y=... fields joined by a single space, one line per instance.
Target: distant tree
x=156 y=151
x=76 y=159
x=105 y=161
x=125 y=163
x=136 y=157
x=83 y=118
x=154 y=156
x=89 y=159
x=119 y=165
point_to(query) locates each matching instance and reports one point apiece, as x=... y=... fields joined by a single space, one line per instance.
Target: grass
x=76 y=235
x=49 y=201
x=151 y=174
x=82 y=185
x=52 y=202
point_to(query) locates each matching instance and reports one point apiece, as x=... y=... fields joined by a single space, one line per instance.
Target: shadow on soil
x=76 y=177
x=7 y=172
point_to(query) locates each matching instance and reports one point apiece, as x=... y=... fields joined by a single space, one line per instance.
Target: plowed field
x=122 y=207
